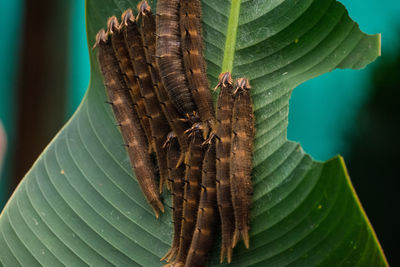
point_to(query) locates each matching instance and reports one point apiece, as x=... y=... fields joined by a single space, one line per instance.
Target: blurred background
x=44 y=73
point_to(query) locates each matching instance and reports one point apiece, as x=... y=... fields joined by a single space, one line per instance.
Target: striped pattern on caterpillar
x=159 y=125
x=241 y=160
x=177 y=177
x=148 y=26
x=191 y=198
x=124 y=112
x=223 y=153
x=169 y=56
x=194 y=63
x=122 y=54
x=207 y=213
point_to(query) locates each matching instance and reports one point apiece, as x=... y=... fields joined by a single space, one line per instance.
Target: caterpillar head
x=224 y=80
x=242 y=85
x=143 y=8
x=170 y=137
x=127 y=18
x=113 y=25
x=101 y=37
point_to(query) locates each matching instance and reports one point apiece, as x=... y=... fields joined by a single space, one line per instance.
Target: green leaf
x=80 y=203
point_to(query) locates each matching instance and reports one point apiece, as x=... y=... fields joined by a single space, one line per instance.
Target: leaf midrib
x=230 y=42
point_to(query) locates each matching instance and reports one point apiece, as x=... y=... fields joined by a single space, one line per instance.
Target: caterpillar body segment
x=241 y=160
x=192 y=191
x=176 y=176
x=223 y=153
x=148 y=26
x=159 y=125
x=193 y=58
x=125 y=114
x=122 y=54
x=169 y=56
x=207 y=213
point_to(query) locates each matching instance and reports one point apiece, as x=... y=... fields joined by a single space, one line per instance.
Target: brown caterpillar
x=148 y=25
x=194 y=63
x=122 y=54
x=158 y=122
x=207 y=213
x=241 y=160
x=191 y=194
x=132 y=132
x=169 y=56
x=223 y=152
x=177 y=175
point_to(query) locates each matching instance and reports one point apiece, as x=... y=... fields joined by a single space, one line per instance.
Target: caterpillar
x=169 y=56
x=132 y=132
x=176 y=175
x=148 y=25
x=207 y=213
x=223 y=151
x=122 y=54
x=241 y=160
x=194 y=63
x=191 y=193
x=158 y=122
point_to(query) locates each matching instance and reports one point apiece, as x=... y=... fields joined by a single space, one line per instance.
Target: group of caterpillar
x=235 y=133
x=133 y=134
x=158 y=89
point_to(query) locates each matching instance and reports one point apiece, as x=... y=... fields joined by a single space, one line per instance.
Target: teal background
x=323 y=110
x=11 y=20
x=79 y=67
